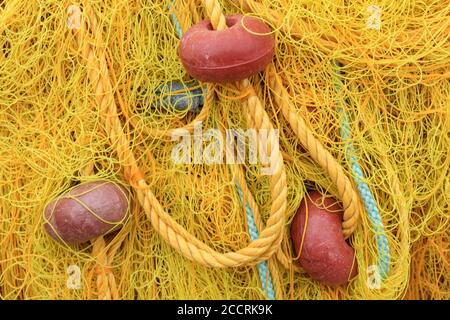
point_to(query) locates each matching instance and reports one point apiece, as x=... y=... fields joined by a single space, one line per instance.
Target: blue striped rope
x=264 y=274
x=263 y=270
x=175 y=21
x=364 y=190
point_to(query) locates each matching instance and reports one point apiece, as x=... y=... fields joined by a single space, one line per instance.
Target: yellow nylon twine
x=76 y=105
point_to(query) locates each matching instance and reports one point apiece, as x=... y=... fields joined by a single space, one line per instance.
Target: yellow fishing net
x=395 y=89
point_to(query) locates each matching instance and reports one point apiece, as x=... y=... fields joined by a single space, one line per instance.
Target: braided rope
x=254 y=223
x=280 y=255
x=106 y=283
x=266 y=279
x=214 y=11
x=318 y=153
x=175 y=21
x=212 y=5
x=193 y=10
x=364 y=190
x=250 y=205
x=169 y=229
x=270 y=280
x=255 y=117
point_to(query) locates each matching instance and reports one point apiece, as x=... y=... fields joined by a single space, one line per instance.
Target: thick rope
x=344 y=186
x=257 y=118
x=169 y=229
x=250 y=207
x=270 y=281
x=280 y=255
x=214 y=11
x=265 y=277
x=211 y=7
x=255 y=224
x=366 y=195
x=257 y=220
x=106 y=283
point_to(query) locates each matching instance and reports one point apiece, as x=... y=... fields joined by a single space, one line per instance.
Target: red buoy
x=319 y=242
x=243 y=49
x=89 y=210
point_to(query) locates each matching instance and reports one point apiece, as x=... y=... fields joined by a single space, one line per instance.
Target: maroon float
x=89 y=210
x=325 y=255
x=245 y=48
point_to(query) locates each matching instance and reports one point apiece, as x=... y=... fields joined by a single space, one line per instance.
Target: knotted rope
x=184 y=242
